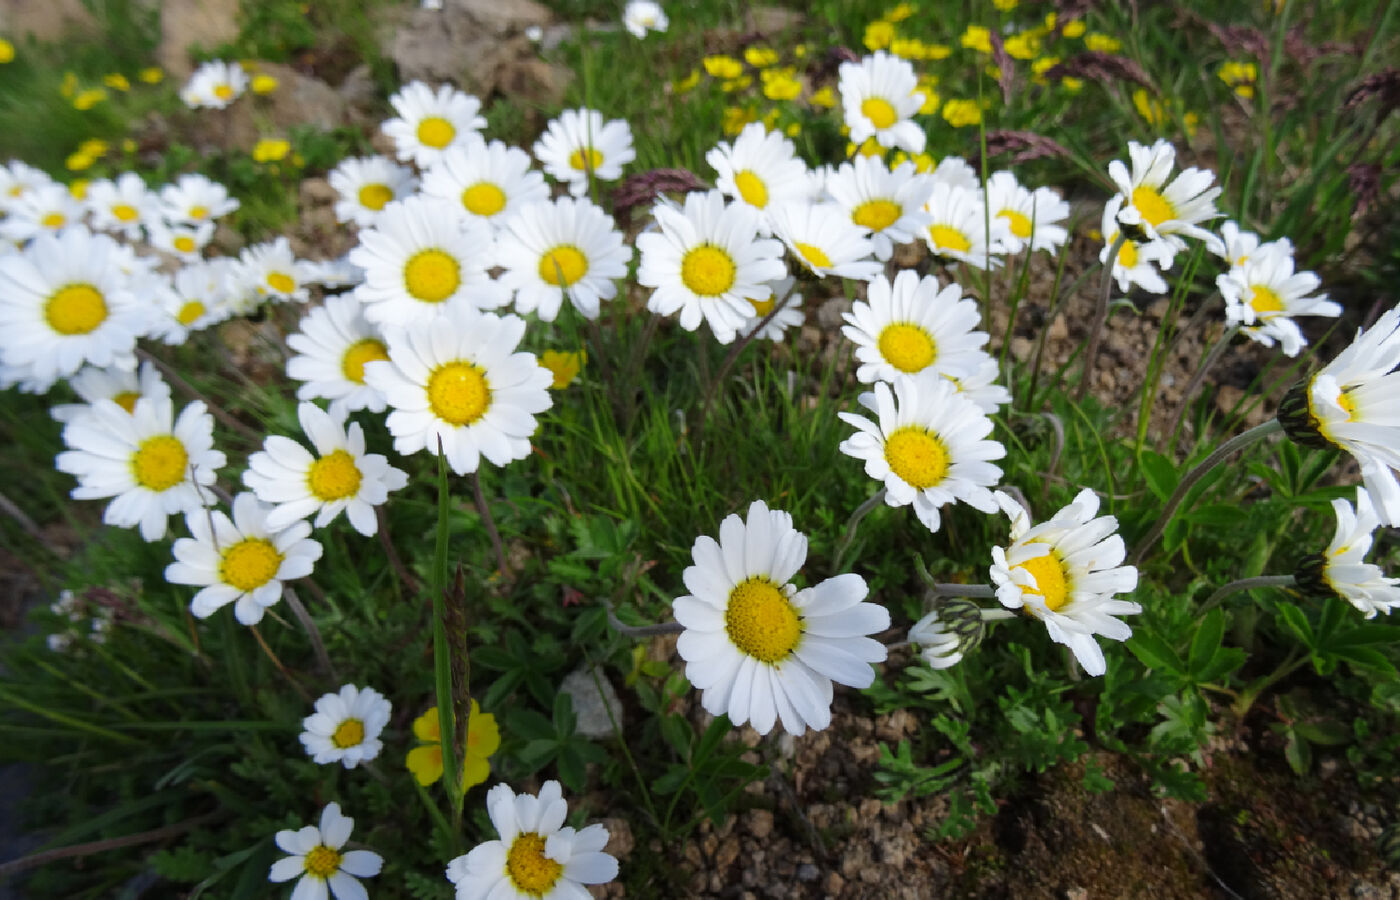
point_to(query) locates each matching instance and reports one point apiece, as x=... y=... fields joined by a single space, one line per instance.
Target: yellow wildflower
x=793 y=130
x=78 y=188
x=760 y=57
x=723 y=67
x=687 y=83
x=1149 y=108
x=824 y=98
x=801 y=51
x=926 y=85
x=1050 y=20
x=128 y=146
x=1240 y=76
x=263 y=84
x=563 y=366
x=117 y=81
x=900 y=12
x=1102 y=43
x=1024 y=45
x=870 y=147
x=483 y=739
x=937 y=51
x=7 y=51
x=907 y=48
x=770 y=119
x=1073 y=28
x=271 y=150
x=151 y=75
x=78 y=161
x=959 y=113
x=924 y=163
x=780 y=84
x=1192 y=123
x=742 y=83
x=878 y=35
x=735 y=119
x=1072 y=84
x=69 y=87
x=977 y=38
x=89 y=98
x=93 y=147
x=1004 y=5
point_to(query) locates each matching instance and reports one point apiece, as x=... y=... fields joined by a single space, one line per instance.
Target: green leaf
x=1298 y=753
x=564 y=721
x=1155 y=653
x=529 y=724
x=571 y=770
x=679 y=734
x=1296 y=621
x=1161 y=474
x=1206 y=643
x=1328 y=732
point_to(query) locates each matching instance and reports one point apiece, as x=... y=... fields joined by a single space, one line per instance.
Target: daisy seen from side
x=641 y=16
x=430 y=121
x=914 y=326
x=320 y=862
x=198 y=298
x=345 y=727
x=48 y=209
x=788 y=315
x=1342 y=571
x=364 y=185
x=184 y=242
x=1264 y=293
x=490 y=182
x=334 y=343
x=271 y=271
x=1137 y=263
x=579 y=144
x=1172 y=211
x=122 y=386
x=879 y=96
x=567 y=247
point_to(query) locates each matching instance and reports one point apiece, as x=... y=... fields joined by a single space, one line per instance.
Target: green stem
x=1245 y=584
x=852 y=524
x=442 y=663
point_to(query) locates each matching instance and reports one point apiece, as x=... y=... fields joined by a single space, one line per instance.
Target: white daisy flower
x=318 y=860
x=980 y=387
x=345 y=726
x=185 y=242
x=367 y=184
x=879 y=96
x=1161 y=209
x=578 y=143
x=1264 y=293
x=18 y=180
x=960 y=228
x=214 y=85
x=457 y=380
x=708 y=262
x=641 y=16
x=568 y=247
x=1136 y=263
x=788 y=316
x=48 y=209
x=334 y=274
x=194 y=199
x=761 y=168
x=1065 y=572
x=914 y=326
x=537 y=855
x=758 y=649
x=122 y=206
x=240 y=560
x=491 y=181
x=271 y=271
x=339 y=477
x=928 y=446
x=956 y=172
x=421 y=257
x=1238 y=244
x=889 y=205
x=64 y=304
x=199 y=299
x=151 y=468
x=1350 y=403
x=947 y=633
x=332 y=347
x=825 y=240
x=122 y=386
x=1032 y=217
x=429 y=121
x=1343 y=569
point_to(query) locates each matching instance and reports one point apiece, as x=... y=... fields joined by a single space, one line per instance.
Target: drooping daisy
x=429 y=121
x=913 y=326
x=318 y=860
x=1159 y=209
x=758 y=649
x=184 y=242
x=879 y=96
x=122 y=386
x=948 y=632
x=1065 y=572
x=345 y=726
x=64 y=304
x=761 y=168
x=960 y=229
x=825 y=240
x=789 y=315
x=456 y=381
x=1350 y=403
x=214 y=85
x=708 y=262
x=152 y=469
x=367 y=184
x=240 y=560
x=483 y=740
x=889 y=205
x=422 y=257
x=339 y=477
x=490 y=182
x=122 y=206
x=194 y=199
x=270 y=270
x=641 y=16
x=579 y=145
x=980 y=387
x=537 y=855
x=1264 y=293
x=44 y=210
x=1137 y=263
x=568 y=247
x=1032 y=217
x=332 y=347
x=1342 y=571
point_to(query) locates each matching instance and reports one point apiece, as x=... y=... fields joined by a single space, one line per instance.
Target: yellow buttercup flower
x=687 y=83
x=735 y=119
x=1004 y=5
x=1024 y=45
x=78 y=188
x=977 y=38
x=959 y=113
x=1072 y=84
x=734 y=85
x=927 y=84
x=89 y=98
x=263 y=84
x=1102 y=43
x=1149 y=108
x=78 y=161
x=1073 y=28
x=781 y=84
x=937 y=51
x=824 y=98
x=117 y=81
x=271 y=150
x=151 y=75
x=69 y=86
x=483 y=740
x=93 y=147
x=564 y=366
x=7 y=51
x=870 y=147
x=1240 y=76
x=900 y=12
x=128 y=146
x=760 y=57
x=726 y=67
x=907 y=48
x=878 y=35
x=793 y=130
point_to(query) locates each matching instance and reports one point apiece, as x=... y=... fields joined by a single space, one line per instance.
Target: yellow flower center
x=322 y=862
x=531 y=872
x=761 y=621
x=576 y=159
x=223 y=91
x=435 y=132
x=1153 y=206
x=815 y=256
x=198 y=212
x=1347 y=402
x=184 y=243
x=375 y=196
x=76 y=309
x=762 y=308
x=877 y=215
x=53 y=220
x=484 y=199
x=250 y=563
x=564 y=262
x=432 y=276
x=707 y=270
x=751 y=188
x=189 y=312
x=281 y=282
x=333 y=477
x=125 y=212
x=1020 y=222
x=1264 y=299
x=1050 y=579
x=352 y=364
x=159 y=463
x=458 y=393
x=1127 y=255
x=946 y=237
x=350 y=733
x=879 y=111
x=127 y=400
x=907 y=347
x=917 y=456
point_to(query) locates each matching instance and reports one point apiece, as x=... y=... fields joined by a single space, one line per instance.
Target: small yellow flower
x=1050 y=20
x=878 y=35
x=770 y=119
x=271 y=150
x=117 y=81
x=726 y=67
x=1044 y=64
x=900 y=12
x=687 y=83
x=907 y=48
x=128 y=146
x=263 y=84
x=760 y=57
x=564 y=366
x=93 y=147
x=483 y=739
x=1192 y=123
x=69 y=87
x=801 y=51
x=1024 y=45
x=1072 y=84
x=780 y=84
x=824 y=98
x=924 y=163
x=931 y=99
x=1073 y=28
x=1004 y=5
x=78 y=161
x=977 y=38
x=1240 y=76
x=870 y=147
x=1149 y=108
x=792 y=130
x=734 y=85
x=151 y=75
x=7 y=51
x=78 y=188
x=735 y=119
x=1102 y=43
x=937 y=51
x=959 y=113
x=89 y=98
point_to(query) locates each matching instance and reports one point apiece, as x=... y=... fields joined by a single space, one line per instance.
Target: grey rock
x=590 y=706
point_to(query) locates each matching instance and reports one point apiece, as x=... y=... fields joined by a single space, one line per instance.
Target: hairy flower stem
x=640 y=631
x=442 y=662
x=323 y=660
x=852 y=524
x=1213 y=357
x=484 y=510
x=980 y=591
x=1245 y=584
x=401 y=572
x=277 y=664
x=1223 y=452
x=1091 y=351
x=190 y=390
